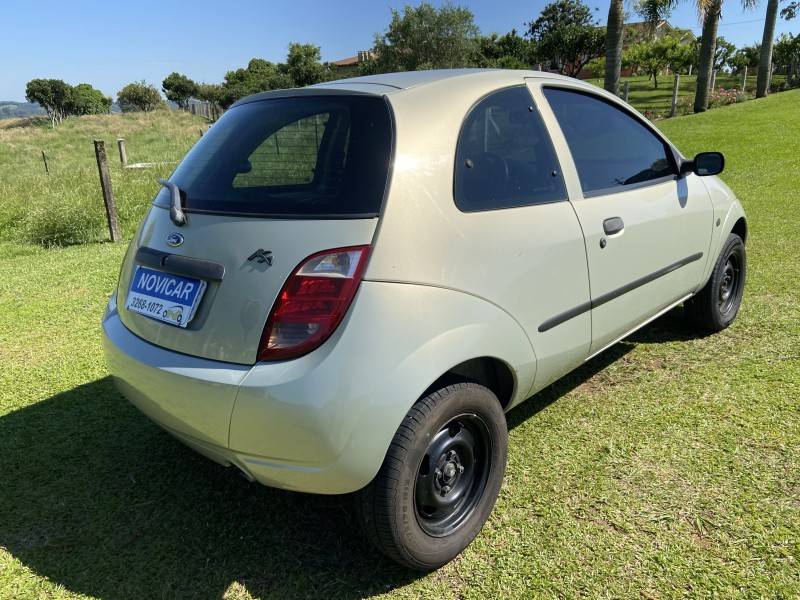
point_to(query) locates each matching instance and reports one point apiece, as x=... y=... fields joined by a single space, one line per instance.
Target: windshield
x=307 y=156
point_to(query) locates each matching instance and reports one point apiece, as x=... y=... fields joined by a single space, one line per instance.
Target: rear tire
x=715 y=306
x=440 y=477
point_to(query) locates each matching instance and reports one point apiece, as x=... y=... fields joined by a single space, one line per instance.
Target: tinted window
x=504 y=156
x=303 y=156
x=610 y=148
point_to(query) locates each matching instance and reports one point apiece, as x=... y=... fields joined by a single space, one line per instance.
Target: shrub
x=723 y=97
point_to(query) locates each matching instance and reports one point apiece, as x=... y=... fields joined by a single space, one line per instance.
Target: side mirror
x=705 y=163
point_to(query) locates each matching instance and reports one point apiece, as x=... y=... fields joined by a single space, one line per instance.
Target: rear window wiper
x=176 y=213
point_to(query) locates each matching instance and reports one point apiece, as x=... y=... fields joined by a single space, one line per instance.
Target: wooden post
x=744 y=80
x=108 y=194
x=123 y=155
x=625 y=90
x=675 y=87
x=44 y=158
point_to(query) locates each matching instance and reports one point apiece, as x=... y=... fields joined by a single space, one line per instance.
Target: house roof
x=346 y=62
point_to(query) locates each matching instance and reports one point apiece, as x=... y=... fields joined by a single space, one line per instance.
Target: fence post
x=108 y=194
x=625 y=90
x=44 y=158
x=744 y=80
x=675 y=87
x=123 y=155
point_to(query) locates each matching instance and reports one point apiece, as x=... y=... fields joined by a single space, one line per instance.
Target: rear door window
x=312 y=156
x=611 y=149
x=505 y=157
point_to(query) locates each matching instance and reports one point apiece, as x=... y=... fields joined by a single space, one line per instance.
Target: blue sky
x=109 y=44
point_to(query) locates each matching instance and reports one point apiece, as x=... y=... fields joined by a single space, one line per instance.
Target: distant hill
x=13 y=110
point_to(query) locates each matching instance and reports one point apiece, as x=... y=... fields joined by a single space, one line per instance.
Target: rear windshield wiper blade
x=176 y=213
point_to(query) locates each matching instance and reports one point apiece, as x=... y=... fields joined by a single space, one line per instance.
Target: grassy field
x=61 y=207
x=667 y=467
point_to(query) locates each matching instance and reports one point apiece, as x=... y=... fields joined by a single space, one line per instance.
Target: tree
x=426 y=37
x=786 y=53
x=53 y=95
x=139 y=96
x=790 y=11
x=210 y=92
x=86 y=100
x=566 y=37
x=746 y=56
x=258 y=76
x=722 y=53
x=615 y=26
x=179 y=89
x=509 y=51
x=653 y=57
x=765 y=61
x=303 y=64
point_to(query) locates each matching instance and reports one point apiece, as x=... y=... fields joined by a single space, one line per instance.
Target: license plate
x=165 y=297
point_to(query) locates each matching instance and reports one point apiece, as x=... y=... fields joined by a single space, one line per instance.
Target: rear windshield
x=313 y=156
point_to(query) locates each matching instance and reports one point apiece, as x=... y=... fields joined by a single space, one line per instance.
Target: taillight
x=312 y=302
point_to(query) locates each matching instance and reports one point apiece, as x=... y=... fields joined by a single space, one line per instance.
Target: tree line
x=565 y=38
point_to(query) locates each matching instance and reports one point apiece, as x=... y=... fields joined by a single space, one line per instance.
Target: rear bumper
x=193 y=399
x=322 y=422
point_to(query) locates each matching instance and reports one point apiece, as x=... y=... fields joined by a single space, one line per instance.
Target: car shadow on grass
x=97 y=499
x=670 y=327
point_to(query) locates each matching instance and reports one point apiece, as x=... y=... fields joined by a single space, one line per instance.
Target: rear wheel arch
x=740 y=229
x=488 y=371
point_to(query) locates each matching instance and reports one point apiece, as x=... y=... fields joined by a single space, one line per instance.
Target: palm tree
x=614 y=30
x=708 y=45
x=765 y=62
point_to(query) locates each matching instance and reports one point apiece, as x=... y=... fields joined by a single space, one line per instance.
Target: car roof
x=391 y=83
x=404 y=80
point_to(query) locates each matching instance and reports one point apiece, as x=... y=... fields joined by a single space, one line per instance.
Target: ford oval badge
x=174 y=239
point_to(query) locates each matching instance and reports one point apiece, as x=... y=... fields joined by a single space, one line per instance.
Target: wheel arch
x=740 y=228
x=488 y=371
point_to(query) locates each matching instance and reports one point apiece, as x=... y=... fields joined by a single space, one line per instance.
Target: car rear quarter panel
x=341 y=404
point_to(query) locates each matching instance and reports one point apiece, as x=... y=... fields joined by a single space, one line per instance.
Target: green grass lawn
x=667 y=467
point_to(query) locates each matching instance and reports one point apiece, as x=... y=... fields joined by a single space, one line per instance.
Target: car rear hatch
x=280 y=177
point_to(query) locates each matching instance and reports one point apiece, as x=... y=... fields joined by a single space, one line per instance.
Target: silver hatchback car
x=343 y=288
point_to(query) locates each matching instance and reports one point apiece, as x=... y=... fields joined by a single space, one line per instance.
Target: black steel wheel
x=440 y=477
x=715 y=306
x=452 y=475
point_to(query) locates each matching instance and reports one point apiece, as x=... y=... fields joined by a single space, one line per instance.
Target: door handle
x=613 y=225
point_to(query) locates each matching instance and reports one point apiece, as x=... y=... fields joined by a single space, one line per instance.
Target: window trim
x=466 y=116
x=673 y=154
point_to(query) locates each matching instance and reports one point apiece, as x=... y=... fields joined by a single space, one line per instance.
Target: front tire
x=715 y=306
x=440 y=477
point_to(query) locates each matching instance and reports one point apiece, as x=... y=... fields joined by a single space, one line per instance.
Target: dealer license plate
x=165 y=297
